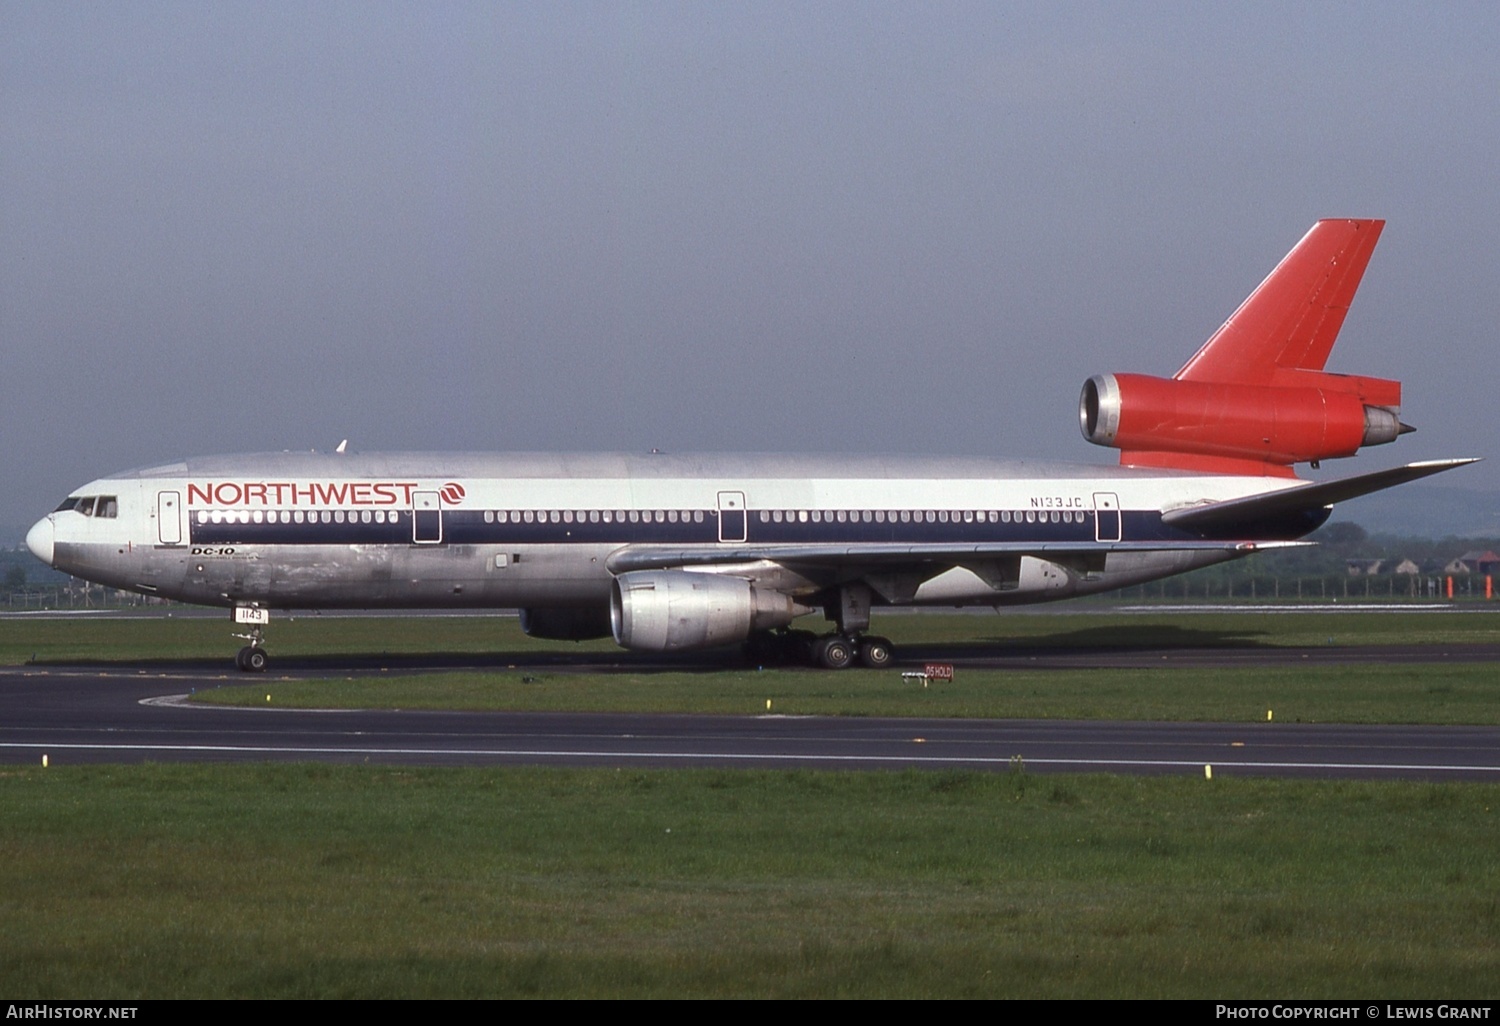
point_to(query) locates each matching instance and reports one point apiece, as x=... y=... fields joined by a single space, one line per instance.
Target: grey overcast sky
x=809 y=226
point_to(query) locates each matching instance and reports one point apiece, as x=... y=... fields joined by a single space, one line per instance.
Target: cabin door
x=426 y=518
x=169 y=518
x=1106 y=517
x=731 y=516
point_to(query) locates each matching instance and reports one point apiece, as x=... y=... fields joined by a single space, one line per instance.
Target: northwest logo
x=452 y=493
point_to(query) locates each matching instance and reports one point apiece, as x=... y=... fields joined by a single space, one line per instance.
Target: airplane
x=679 y=552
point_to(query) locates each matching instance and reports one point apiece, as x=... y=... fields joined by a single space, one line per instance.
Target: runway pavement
x=135 y=713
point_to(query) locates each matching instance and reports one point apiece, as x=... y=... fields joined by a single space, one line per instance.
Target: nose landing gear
x=252 y=658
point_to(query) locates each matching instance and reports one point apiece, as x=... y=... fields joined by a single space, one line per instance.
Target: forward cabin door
x=1106 y=517
x=426 y=518
x=169 y=518
x=732 y=516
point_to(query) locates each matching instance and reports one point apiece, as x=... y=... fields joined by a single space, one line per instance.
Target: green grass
x=1447 y=693
x=330 y=881
x=32 y=639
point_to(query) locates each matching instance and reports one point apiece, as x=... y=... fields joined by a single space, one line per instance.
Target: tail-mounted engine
x=1159 y=421
x=1255 y=398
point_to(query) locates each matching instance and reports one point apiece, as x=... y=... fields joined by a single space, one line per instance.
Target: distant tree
x=15 y=577
x=1343 y=536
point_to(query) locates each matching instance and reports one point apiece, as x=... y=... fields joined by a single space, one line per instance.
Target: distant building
x=1364 y=567
x=1474 y=562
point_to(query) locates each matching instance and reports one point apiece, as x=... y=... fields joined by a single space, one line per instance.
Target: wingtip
x=1448 y=464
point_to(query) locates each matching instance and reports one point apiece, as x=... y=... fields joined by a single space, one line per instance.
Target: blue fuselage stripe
x=466 y=527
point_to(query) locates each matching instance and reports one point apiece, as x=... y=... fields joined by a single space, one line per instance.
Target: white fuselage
x=306 y=530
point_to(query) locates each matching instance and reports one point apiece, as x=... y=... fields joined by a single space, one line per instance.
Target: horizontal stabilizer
x=1244 y=513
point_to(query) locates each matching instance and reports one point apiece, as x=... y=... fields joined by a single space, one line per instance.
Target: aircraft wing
x=1239 y=514
x=886 y=554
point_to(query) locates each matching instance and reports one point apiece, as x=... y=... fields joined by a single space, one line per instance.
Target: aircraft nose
x=39 y=540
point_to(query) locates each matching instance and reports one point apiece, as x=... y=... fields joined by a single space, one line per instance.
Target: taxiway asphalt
x=112 y=713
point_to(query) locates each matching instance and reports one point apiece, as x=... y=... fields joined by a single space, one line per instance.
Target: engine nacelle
x=1274 y=424
x=566 y=623
x=669 y=610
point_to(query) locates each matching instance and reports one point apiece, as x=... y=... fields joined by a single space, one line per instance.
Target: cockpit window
x=92 y=505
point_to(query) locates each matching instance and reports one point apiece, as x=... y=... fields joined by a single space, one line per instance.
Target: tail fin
x=1290 y=322
x=1255 y=398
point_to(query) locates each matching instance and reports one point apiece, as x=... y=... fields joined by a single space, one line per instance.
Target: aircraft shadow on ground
x=1101 y=641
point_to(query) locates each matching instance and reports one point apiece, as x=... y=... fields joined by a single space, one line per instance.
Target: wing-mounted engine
x=669 y=610
x=1218 y=426
x=1255 y=398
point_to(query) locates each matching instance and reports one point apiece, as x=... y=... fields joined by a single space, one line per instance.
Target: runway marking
x=530 y=753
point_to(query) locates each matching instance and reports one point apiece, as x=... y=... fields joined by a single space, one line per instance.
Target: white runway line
x=1195 y=765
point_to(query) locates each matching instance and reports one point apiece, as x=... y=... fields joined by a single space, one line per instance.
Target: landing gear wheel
x=833 y=652
x=251 y=659
x=875 y=653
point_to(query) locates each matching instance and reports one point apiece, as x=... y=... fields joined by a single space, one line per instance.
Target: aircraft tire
x=255 y=660
x=833 y=652
x=239 y=660
x=875 y=653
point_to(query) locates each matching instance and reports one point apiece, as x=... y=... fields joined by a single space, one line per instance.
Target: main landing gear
x=836 y=651
x=252 y=658
x=849 y=608
x=839 y=652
